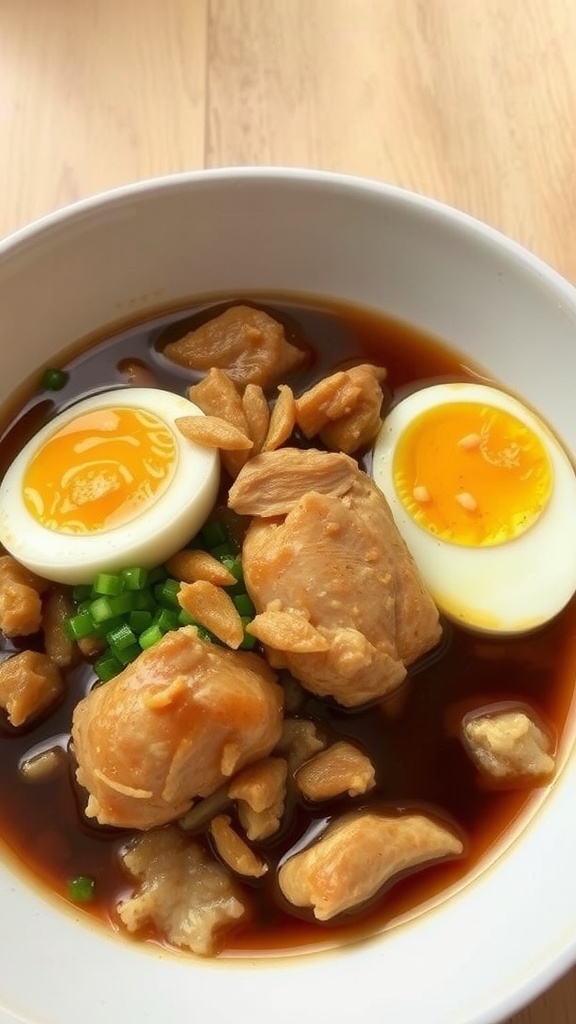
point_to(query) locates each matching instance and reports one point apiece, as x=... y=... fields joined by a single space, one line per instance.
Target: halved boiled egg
x=485 y=498
x=108 y=483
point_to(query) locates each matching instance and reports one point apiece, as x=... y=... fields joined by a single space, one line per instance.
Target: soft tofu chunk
x=357 y=855
x=508 y=745
x=190 y=899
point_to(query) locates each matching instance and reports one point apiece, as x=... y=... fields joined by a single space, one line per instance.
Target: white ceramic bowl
x=509 y=932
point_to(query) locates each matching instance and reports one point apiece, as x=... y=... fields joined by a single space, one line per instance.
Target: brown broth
x=419 y=760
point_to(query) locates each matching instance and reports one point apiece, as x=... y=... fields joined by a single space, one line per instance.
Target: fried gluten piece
x=357 y=855
x=20 y=603
x=30 y=683
x=339 y=600
x=174 y=725
x=508 y=745
x=246 y=342
x=190 y=899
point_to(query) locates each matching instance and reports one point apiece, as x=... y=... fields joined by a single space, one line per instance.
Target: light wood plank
x=470 y=102
x=94 y=94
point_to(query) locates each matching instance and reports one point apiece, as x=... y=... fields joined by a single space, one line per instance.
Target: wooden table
x=470 y=101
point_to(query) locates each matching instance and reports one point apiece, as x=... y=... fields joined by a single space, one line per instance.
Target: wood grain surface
x=469 y=101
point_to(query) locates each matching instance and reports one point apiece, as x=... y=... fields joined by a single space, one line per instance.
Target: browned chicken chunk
x=357 y=855
x=29 y=684
x=181 y=719
x=246 y=342
x=188 y=897
x=344 y=409
x=508 y=745
x=340 y=602
x=20 y=604
x=342 y=768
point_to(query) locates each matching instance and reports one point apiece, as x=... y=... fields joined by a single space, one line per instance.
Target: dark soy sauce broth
x=412 y=738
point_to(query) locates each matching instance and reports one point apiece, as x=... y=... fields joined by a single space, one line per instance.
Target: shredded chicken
x=508 y=745
x=260 y=791
x=344 y=409
x=30 y=683
x=338 y=597
x=355 y=857
x=20 y=603
x=188 y=897
x=174 y=725
x=339 y=769
x=246 y=342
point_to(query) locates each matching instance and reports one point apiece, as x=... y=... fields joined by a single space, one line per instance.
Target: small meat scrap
x=217 y=396
x=260 y=790
x=257 y=413
x=300 y=740
x=282 y=420
x=341 y=768
x=508 y=746
x=213 y=432
x=185 y=894
x=214 y=609
x=30 y=683
x=232 y=849
x=357 y=855
x=246 y=342
x=176 y=724
x=20 y=604
x=344 y=409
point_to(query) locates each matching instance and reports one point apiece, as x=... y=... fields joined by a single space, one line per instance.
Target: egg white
x=148 y=539
x=510 y=588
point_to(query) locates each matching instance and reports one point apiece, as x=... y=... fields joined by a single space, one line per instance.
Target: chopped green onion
x=108 y=583
x=222 y=551
x=249 y=641
x=234 y=565
x=166 y=593
x=135 y=579
x=143 y=600
x=81 y=889
x=156 y=575
x=122 y=603
x=150 y=636
x=82 y=592
x=166 y=619
x=213 y=534
x=107 y=666
x=139 y=620
x=127 y=654
x=244 y=605
x=79 y=625
x=53 y=379
x=101 y=609
x=185 y=619
x=120 y=638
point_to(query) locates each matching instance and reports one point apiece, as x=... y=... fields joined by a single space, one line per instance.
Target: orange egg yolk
x=100 y=471
x=472 y=474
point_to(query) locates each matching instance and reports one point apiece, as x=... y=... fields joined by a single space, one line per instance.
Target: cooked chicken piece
x=357 y=855
x=30 y=683
x=174 y=725
x=260 y=791
x=344 y=409
x=336 y=571
x=257 y=413
x=20 y=604
x=342 y=768
x=244 y=341
x=299 y=742
x=234 y=851
x=508 y=745
x=282 y=420
x=184 y=893
x=57 y=607
x=213 y=432
x=273 y=483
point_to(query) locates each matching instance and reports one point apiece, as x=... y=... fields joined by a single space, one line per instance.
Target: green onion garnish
x=81 y=889
x=53 y=380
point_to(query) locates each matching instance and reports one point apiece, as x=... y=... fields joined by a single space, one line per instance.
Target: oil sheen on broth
x=419 y=760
